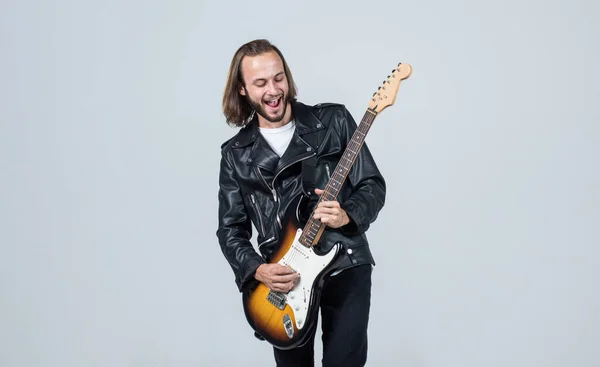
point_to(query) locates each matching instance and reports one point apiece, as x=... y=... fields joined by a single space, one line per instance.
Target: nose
x=271 y=87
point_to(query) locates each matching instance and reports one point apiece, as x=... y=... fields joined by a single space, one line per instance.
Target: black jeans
x=345 y=305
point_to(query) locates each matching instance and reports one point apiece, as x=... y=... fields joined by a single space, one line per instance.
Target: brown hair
x=236 y=108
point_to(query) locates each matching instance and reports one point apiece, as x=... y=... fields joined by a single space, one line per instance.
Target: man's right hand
x=277 y=277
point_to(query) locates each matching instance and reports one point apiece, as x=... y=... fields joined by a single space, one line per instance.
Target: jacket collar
x=263 y=156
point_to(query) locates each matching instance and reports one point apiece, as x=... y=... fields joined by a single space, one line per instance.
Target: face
x=266 y=88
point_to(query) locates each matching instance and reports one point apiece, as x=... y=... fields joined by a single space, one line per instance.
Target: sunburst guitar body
x=286 y=320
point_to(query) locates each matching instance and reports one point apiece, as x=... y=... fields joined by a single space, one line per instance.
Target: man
x=272 y=160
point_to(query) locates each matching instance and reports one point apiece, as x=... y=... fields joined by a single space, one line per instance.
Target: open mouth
x=273 y=103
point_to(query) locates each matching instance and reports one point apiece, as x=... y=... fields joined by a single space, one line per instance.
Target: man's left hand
x=330 y=213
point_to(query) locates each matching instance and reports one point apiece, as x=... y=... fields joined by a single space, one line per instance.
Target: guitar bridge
x=277 y=299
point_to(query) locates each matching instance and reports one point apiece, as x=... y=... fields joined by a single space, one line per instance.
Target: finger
x=282 y=287
x=291 y=277
x=282 y=270
x=283 y=279
x=329 y=204
x=278 y=288
x=329 y=211
x=327 y=218
x=331 y=220
x=319 y=191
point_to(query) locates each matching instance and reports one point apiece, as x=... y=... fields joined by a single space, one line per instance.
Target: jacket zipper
x=266 y=184
x=328 y=173
x=274 y=192
x=258 y=214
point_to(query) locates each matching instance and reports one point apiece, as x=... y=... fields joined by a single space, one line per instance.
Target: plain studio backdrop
x=487 y=249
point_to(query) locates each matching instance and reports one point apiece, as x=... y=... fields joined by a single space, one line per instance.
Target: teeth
x=272 y=101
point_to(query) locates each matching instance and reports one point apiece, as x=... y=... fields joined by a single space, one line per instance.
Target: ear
x=242 y=90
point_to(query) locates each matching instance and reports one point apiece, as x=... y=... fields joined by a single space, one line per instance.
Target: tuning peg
x=374 y=94
x=399 y=64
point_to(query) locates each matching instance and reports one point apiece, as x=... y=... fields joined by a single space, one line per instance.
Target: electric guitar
x=286 y=320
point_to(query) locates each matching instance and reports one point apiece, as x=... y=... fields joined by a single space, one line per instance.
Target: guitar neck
x=314 y=227
x=383 y=98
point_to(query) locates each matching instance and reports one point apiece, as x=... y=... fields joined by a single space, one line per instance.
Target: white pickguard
x=304 y=261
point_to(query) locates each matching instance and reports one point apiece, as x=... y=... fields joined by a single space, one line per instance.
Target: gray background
x=487 y=248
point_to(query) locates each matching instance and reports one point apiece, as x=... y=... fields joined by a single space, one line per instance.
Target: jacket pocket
x=268 y=240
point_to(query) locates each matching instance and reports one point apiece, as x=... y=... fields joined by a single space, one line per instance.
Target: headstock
x=386 y=94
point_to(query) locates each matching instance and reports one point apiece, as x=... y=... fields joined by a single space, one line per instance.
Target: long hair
x=236 y=108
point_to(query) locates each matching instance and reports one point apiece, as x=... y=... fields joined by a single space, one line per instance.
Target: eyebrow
x=263 y=79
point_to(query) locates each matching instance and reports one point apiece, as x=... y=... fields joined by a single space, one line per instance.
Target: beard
x=262 y=111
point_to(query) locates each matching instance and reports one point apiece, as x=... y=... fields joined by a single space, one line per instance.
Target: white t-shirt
x=279 y=138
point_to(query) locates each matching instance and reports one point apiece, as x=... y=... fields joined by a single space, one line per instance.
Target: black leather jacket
x=256 y=186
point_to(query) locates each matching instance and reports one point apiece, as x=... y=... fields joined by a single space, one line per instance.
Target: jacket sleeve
x=235 y=228
x=369 y=188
